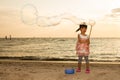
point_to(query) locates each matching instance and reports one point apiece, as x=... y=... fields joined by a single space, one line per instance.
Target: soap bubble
x=29 y=14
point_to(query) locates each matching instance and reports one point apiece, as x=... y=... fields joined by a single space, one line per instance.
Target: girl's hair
x=81 y=26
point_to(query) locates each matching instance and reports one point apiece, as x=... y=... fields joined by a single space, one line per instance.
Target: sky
x=58 y=18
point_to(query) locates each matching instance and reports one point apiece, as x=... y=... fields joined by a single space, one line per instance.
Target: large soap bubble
x=29 y=14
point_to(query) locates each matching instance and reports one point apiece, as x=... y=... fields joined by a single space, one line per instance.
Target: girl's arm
x=79 y=40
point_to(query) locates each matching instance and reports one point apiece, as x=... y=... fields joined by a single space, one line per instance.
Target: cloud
x=114 y=16
x=8 y=12
x=8 y=16
x=116 y=10
x=115 y=13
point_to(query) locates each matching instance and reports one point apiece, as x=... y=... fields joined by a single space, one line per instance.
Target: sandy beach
x=52 y=70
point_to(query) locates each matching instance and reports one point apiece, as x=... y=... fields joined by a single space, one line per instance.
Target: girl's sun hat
x=81 y=25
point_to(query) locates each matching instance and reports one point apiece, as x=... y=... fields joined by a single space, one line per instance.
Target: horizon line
x=56 y=37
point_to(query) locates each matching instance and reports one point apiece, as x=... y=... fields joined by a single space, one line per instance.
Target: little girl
x=82 y=47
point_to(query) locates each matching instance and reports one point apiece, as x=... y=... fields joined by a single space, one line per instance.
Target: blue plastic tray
x=69 y=71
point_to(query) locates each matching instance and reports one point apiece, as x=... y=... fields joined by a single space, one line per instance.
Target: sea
x=58 y=49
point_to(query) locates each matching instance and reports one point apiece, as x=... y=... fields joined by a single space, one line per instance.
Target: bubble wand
x=91 y=23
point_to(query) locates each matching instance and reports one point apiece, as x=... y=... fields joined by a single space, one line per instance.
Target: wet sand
x=54 y=70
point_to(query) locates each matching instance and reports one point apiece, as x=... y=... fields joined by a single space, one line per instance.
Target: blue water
x=101 y=49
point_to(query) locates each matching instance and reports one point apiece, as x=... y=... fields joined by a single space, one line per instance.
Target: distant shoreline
x=62 y=37
x=33 y=58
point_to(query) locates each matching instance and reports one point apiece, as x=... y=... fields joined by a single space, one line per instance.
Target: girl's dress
x=82 y=49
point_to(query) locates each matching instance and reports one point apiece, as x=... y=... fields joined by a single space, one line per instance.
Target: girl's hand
x=88 y=41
